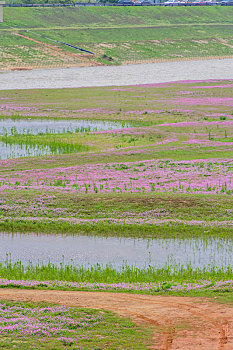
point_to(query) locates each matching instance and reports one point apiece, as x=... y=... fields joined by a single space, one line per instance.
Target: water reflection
x=10 y=126
x=35 y=126
x=17 y=151
x=139 y=252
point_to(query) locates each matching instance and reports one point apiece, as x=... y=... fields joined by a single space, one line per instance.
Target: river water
x=117 y=75
x=86 y=250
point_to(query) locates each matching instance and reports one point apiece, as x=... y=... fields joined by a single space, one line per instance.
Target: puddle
x=86 y=250
x=35 y=126
x=17 y=151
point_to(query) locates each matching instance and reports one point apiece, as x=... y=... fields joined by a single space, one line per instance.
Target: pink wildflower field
x=174 y=146
x=166 y=172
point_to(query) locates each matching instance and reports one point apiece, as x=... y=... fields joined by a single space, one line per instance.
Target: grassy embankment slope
x=115 y=35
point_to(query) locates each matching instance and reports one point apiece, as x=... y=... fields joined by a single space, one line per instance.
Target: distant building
x=1 y=10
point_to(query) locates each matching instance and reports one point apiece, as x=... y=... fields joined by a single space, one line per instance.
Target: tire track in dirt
x=222 y=325
x=168 y=332
x=209 y=329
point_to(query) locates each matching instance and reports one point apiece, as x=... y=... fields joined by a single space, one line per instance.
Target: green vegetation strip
x=173 y=279
x=124 y=215
x=173 y=273
x=170 y=230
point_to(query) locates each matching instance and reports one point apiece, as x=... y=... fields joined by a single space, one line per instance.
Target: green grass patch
x=57 y=144
x=25 y=202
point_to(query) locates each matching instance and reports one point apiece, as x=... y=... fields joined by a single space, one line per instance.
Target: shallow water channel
x=35 y=126
x=117 y=75
x=86 y=250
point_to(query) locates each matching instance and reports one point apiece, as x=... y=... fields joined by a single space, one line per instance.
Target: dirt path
x=56 y=51
x=180 y=322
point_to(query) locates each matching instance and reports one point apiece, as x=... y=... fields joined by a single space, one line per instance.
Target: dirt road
x=180 y=322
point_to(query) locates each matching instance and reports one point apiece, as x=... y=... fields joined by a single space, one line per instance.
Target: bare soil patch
x=179 y=322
